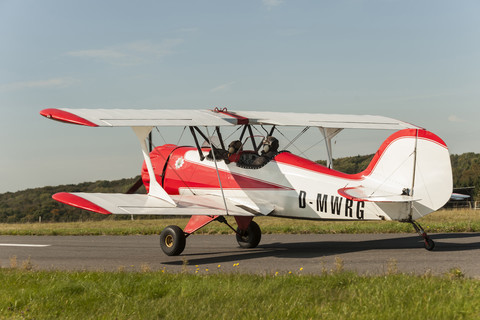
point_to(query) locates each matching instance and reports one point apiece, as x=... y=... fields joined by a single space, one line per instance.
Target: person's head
x=234 y=147
x=270 y=144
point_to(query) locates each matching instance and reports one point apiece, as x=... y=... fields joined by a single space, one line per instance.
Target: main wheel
x=251 y=237
x=172 y=240
x=429 y=244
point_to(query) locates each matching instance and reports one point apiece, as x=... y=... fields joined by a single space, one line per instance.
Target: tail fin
x=411 y=166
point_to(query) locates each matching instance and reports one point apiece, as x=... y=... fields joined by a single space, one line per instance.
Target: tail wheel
x=251 y=237
x=172 y=240
x=429 y=244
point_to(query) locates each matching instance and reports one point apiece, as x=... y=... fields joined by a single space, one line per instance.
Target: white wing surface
x=138 y=117
x=118 y=203
x=346 y=121
x=152 y=118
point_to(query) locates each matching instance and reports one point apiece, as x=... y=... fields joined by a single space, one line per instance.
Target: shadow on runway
x=318 y=249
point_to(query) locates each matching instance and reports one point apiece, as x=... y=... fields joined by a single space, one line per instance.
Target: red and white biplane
x=409 y=177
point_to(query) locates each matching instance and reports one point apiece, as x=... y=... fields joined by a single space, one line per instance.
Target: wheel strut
x=429 y=243
x=222 y=219
x=248 y=238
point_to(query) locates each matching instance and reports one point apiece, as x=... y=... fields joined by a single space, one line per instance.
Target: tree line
x=31 y=205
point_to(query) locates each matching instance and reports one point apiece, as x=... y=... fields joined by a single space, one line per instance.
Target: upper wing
x=118 y=203
x=143 y=117
x=138 y=117
x=346 y=121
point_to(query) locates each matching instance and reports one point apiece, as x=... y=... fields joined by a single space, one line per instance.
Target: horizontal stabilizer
x=119 y=203
x=361 y=193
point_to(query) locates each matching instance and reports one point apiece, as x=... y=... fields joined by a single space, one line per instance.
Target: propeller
x=134 y=188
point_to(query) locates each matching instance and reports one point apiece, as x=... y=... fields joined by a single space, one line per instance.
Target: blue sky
x=417 y=61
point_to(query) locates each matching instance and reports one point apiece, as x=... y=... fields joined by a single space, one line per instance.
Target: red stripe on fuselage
x=181 y=173
x=200 y=175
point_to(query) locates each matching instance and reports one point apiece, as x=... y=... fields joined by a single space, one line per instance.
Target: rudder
x=415 y=163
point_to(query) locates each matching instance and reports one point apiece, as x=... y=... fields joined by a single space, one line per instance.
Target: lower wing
x=119 y=203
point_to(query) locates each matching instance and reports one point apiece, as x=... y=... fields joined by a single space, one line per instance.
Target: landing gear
x=248 y=232
x=172 y=240
x=429 y=244
x=249 y=238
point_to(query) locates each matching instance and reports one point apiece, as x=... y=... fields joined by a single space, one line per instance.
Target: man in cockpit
x=270 y=150
x=234 y=151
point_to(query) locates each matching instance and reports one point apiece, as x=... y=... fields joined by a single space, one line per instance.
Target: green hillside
x=466 y=170
x=31 y=204
x=350 y=164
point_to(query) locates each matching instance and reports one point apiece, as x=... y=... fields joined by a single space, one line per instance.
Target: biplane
x=252 y=175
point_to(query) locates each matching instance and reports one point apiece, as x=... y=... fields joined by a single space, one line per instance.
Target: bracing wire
x=231 y=134
x=290 y=142
x=218 y=173
x=317 y=143
x=392 y=173
x=259 y=132
x=298 y=136
x=169 y=165
x=181 y=135
x=161 y=136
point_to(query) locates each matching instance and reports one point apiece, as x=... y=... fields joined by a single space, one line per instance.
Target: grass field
x=26 y=293
x=440 y=221
x=335 y=295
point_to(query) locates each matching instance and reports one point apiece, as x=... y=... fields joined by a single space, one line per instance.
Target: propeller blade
x=135 y=186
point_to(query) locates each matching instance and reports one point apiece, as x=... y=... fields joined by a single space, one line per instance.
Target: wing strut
x=328 y=134
x=220 y=137
x=155 y=189
x=251 y=135
x=243 y=133
x=216 y=168
x=413 y=177
x=200 y=153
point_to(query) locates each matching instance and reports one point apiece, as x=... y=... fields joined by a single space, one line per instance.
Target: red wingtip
x=78 y=202
x=64 y=116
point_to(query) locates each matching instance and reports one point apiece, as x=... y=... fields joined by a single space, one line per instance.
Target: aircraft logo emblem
x=179 y=163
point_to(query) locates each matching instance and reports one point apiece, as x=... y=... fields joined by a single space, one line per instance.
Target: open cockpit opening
x=249 y=150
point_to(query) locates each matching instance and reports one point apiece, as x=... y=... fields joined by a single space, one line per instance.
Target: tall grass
x=157 y=295
x=440 y=221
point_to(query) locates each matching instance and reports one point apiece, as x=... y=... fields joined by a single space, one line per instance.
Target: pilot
x=217 y=153
x=234 y=151
x=270 y=150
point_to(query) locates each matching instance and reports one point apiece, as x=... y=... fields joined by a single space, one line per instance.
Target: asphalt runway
x=307 y=254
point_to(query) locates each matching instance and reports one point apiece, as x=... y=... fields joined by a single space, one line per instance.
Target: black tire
x=250 y=238
x=429 y=244
x=172 y=240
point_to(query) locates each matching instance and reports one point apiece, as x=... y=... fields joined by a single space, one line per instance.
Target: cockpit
x=249 y=151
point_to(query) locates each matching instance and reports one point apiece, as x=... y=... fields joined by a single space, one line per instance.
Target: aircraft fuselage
x=288 y=185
